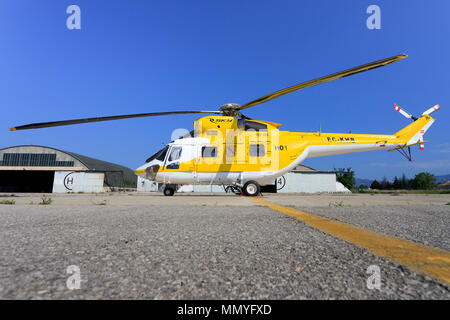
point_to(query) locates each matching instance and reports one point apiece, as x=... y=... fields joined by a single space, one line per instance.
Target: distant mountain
x=443 y=178
x=366 y=182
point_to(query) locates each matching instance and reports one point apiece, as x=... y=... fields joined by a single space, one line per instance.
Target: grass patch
x=336 y=204
x=45 y=200
x=7 y=195
x=7 y=202
x=366 y=191
x=101 y=203
x=448 y=204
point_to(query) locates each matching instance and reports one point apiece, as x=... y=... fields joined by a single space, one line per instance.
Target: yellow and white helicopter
x=228 y=148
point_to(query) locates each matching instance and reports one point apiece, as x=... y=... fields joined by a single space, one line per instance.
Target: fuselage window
x=209 y=152
x=257 y=150
x=175 y=154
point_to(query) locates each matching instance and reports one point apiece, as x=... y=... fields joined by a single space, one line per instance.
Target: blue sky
x=149 y=56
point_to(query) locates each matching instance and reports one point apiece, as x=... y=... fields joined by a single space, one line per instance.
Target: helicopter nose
x=141 y=170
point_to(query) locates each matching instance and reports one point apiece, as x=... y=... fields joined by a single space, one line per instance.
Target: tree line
x=421 y=181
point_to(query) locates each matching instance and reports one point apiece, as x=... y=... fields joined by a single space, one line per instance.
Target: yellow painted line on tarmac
x=431 y=261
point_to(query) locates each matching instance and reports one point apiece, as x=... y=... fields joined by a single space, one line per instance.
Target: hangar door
x=26 y=181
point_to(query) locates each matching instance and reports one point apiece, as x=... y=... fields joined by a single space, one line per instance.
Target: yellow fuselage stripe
x=431 y=261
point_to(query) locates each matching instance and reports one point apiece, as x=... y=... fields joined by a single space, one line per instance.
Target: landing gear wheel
x=168 y=191
x=251 y=188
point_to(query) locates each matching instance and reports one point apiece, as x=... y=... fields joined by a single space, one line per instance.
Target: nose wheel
x=169 y=191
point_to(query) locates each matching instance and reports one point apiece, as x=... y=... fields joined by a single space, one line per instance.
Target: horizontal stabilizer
x=407 y=145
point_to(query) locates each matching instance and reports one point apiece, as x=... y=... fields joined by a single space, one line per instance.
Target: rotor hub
x=230 y=109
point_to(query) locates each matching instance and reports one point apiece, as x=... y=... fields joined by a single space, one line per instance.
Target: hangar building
x=303 y=179
x=32 y=168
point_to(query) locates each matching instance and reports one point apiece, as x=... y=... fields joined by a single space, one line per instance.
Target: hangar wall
x=73 y=181
x=305 y=182
x=146 y=185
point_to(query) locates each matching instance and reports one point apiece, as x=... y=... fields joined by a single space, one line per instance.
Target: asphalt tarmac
x=190 y=246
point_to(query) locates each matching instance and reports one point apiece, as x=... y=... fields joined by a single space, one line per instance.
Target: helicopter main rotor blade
x=98 y=119
x=329 y=78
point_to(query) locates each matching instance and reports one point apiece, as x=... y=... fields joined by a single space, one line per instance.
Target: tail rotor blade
x=404 y=112
x=431 y=110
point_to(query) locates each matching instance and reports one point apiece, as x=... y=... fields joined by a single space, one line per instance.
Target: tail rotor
x=417 y=129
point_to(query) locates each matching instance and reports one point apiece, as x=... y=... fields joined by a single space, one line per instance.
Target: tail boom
x=334 y=143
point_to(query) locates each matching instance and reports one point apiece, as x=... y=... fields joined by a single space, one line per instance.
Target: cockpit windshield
x=160 y=155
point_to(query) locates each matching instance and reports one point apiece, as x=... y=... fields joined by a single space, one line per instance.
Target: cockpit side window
x=175 y=153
